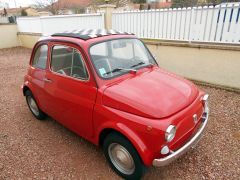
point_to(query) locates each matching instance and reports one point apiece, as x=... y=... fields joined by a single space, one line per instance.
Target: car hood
x=153 y=94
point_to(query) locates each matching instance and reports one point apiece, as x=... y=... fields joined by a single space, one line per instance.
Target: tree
x=183 y=3
x=214 y=2
x=5 y=12
x=141 y=2
x=49 y=5
x=188 y=3
x=118 y=3
x=96 y=3
x=24 y=12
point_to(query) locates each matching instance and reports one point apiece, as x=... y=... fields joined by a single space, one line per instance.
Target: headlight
x=170 y=133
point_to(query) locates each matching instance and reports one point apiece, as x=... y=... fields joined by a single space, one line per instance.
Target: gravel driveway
x=46 y=150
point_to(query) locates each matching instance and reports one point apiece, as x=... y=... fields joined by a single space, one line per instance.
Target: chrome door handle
x=47 y=80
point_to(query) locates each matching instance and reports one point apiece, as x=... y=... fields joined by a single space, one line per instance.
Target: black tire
x=118 y=139
x=40 y=115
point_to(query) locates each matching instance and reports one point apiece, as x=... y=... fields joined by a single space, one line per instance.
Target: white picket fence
x=205 y=24
x=220 y=24
x=52 y=24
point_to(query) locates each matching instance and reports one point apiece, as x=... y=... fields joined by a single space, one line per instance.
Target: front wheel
x=122 y=157
x=33 y=106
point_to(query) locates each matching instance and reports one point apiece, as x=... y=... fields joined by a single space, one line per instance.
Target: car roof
x=87 y=34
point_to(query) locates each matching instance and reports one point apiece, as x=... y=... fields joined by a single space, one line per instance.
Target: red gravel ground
x=31 y=149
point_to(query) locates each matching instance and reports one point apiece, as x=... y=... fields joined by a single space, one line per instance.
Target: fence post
x=107 y=9
x=191 y=24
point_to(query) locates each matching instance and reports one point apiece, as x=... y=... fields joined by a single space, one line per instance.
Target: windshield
x=116 y=57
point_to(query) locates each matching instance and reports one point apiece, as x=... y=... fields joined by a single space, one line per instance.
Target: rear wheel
x=33 y=106
x=122 y=157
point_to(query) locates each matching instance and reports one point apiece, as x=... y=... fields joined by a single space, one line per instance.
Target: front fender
x=136 y=141
x=28 y=86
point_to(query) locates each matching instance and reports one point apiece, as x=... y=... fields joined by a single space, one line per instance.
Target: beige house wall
x=8 y=36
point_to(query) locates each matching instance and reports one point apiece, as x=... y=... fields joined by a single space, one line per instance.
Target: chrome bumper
x=190 y=144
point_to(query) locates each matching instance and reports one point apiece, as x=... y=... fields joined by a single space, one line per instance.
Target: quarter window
x=40 y=57
x=68 y=61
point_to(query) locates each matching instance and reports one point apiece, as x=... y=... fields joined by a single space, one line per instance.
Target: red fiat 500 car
x=107 y=87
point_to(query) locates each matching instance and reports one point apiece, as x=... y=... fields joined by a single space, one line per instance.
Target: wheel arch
x=132 y=137
x=104 y=133
x=25 y=89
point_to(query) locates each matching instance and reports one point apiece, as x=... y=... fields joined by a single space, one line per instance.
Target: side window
x=40 y=57
x=68 y=61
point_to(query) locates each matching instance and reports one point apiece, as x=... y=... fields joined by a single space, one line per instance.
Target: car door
x=37 y=73
x=70 y=89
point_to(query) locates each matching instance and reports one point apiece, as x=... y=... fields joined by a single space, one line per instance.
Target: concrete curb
x=30 y=34
x=217 y=86
x=194 y=44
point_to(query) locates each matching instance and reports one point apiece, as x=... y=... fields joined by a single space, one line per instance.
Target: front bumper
x=190 y=144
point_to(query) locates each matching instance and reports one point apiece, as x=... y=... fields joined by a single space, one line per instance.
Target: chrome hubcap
x=121 y=158
x=33 y=105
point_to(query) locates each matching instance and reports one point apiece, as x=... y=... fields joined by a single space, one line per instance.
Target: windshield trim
x=127 y=72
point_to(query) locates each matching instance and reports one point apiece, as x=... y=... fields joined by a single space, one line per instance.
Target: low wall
x=28 y=40
x=215 y=64
x=8 y=36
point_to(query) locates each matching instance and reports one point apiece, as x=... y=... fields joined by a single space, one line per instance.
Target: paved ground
x=46 y=150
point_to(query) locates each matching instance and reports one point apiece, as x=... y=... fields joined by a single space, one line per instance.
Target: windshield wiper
x=138 y=64
x=128 y=69
x=120 y=69
x=141 y=63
